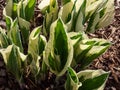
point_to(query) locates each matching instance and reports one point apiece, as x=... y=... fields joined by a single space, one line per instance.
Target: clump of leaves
x=60 y=44
x=23 y=10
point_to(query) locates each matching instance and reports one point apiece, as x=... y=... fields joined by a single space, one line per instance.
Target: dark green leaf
x=61 y=40
x=65 y=2
x=14 y=35
x=94 y=83
x=29 y=9
x=93 y=54
x=8 y=22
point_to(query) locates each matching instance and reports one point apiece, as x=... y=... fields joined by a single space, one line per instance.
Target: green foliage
x=20 y=8
x=56 y=57
x=23 y=10
x=35 y=48
x=72 y=82
x=59 y=44
x=4 y=42
x=96 y=14
x=92 y=79
x=89 y=49
x=14 y=61
x=50 y=9
x=102 y=16
x=14 y=35
x=86 y=80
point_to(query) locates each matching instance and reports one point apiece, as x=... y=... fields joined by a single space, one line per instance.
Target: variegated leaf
x=108 y=14
x=14 y=35
x=89 y=49
x=29 y=9
x=80 y=18
x=24 y=28
x=102 y=16
x=9 y=8
x=50 y=16
x=58 y=51
x=72 y=82
x=92 y=6
x=43 y=6
x=92 y=79
x=65 y=2
x=65 y=11
x=4 y=41
x=8 y=20
x=14 y=60
x=33 y=50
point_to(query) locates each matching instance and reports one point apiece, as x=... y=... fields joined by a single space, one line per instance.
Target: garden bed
x=109 y=61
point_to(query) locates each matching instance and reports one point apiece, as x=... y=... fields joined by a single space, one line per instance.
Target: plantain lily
x=29 y=9
x=108 y=15
x=77 y=37
x=65 y=12
x=24 y=28
x=23 y=10
x=92 y=6
x=66 y=46
x=4 y=41
x=75 y=14
x=102 y=16
x=92 y=79
x=80 y=18
x=48 y=5
x=35 y=49
x=16 y=1
x=8 y=21
x=14 y=61
x=9 y=8
x=20 y=8
x=86 y=80
x=44 y=5
x=85 y=49
x=14 y=35
x=50 y=15
x=58 y=51
x=89 y=49
x=72 y=82
x=63 y=2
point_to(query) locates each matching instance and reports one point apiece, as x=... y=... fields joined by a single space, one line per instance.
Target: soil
x=109 y=61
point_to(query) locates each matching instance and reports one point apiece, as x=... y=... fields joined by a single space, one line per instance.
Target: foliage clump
x=60 y=44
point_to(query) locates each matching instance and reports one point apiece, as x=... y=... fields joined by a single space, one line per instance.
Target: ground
x=109 y=61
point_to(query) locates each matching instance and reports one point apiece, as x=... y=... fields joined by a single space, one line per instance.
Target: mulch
x=109 y=61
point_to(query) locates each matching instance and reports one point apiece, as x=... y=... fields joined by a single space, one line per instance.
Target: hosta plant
x=14 y=60
x=98 y=14
x=60 y=45
x=36 y=46
x=86 y=80
x=23 y=10
x=56 y=57
x=50 y=9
